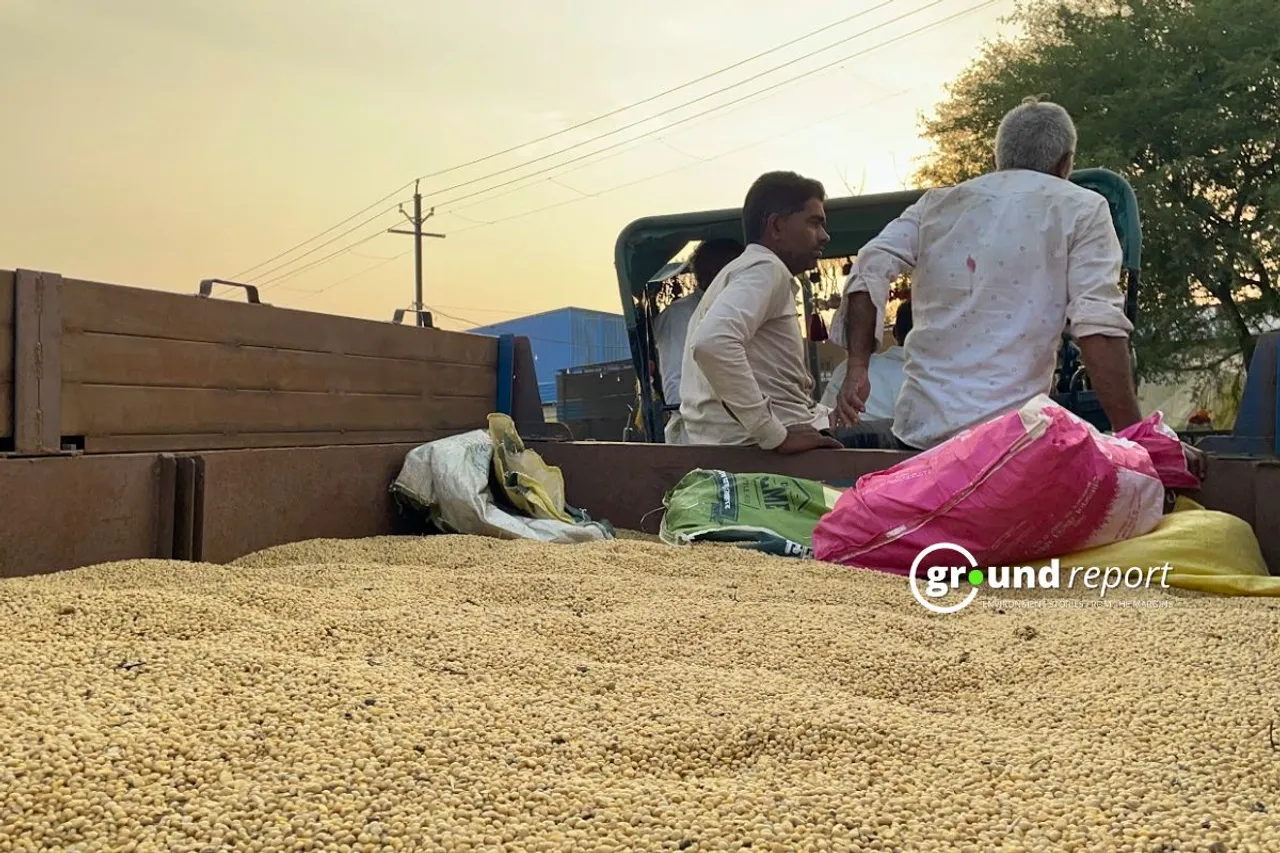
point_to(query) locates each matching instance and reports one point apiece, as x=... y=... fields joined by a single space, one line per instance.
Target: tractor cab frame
x=644 y=253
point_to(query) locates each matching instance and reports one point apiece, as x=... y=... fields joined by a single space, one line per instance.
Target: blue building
x=563 y=338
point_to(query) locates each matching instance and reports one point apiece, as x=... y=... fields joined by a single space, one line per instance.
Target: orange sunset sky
x=158 y=142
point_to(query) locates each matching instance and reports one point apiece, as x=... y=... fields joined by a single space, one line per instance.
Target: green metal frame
x=645 y=246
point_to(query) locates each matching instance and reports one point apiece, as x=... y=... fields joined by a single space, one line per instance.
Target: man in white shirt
x=744 y=376
x=671 y=327
x=884 y=370
x=1000 y=265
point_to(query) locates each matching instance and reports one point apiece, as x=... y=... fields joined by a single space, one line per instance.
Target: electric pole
x=419 y=310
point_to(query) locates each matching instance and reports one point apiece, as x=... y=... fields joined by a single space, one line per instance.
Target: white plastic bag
x=449 y=479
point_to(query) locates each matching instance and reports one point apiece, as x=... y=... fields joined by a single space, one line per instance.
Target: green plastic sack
x=764 y=512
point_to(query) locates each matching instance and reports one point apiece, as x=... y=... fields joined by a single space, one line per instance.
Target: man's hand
x=804 y=437
x=852 y=400
x=1197 y=462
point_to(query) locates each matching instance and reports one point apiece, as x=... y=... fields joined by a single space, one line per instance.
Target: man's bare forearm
x=1106 y=358
x=860 y=329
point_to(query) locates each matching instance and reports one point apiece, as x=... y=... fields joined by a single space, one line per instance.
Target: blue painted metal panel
x=506 y=372
x=598 y=337
x=564 y=338
x=1255 y=432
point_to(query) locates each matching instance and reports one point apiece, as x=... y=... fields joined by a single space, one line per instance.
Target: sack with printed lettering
x=763 y=512
x=1031 y=484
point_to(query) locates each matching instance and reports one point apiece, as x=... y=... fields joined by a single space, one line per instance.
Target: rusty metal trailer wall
x=110 y=396
x=216 y=506
x=254 y=499
x=121 y=369
x=63 y=512
x=250 y=426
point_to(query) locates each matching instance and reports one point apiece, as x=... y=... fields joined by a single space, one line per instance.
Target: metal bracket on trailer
x=188 y=508
x=251 y=291
x=37 y=365
x=423 y=318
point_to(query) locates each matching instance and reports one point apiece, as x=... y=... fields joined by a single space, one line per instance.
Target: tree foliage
x=1181 y=97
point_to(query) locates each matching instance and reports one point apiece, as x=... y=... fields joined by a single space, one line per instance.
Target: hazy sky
x=158 y=142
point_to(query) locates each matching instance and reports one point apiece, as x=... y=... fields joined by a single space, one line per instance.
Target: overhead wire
x=917 y=31
x=583 y=196
x=286 y=276
x=643 y=141
x=274 y=258
x=697 y=161
x=578 y=126
x=651 y=98
x=313 y=293
x=697 y=100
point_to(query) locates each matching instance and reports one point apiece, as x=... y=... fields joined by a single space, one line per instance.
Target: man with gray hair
x=1000 y=265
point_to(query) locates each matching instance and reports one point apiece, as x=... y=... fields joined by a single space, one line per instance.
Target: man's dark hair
x=902 y=323
x=783 y=193
x=711 y=256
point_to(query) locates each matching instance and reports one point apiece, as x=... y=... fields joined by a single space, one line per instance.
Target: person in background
x=884 y=371
x=1000 y=265
x=744 y=377
x=672 y=325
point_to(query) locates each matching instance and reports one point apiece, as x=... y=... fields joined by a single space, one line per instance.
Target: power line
x=659 y=95
x=313 y=293
x=399 y=189
x=694 y=121
x=772 y=87
x=775 y=86
x=328 y=242
x=294 y=273
x=578 y=126
x=583 y=196
x=669 y=110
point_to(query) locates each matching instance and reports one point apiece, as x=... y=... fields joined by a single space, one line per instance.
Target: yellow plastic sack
x=531 y=485
x=1207 y=551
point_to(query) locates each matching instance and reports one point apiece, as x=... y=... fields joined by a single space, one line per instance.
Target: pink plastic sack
x=1028 y=485
x=1165 y=449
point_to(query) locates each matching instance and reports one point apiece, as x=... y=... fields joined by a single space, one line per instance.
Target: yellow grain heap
x=452 y=693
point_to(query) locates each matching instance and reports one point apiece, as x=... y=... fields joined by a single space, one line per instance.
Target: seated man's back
x=997 y=259
x=670 y=329
x=671 y=326
x=999 y=266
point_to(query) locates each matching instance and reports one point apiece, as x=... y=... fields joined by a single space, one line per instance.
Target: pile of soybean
x=465 y=694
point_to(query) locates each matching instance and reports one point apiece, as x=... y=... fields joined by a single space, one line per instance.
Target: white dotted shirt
x=1000 y=266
